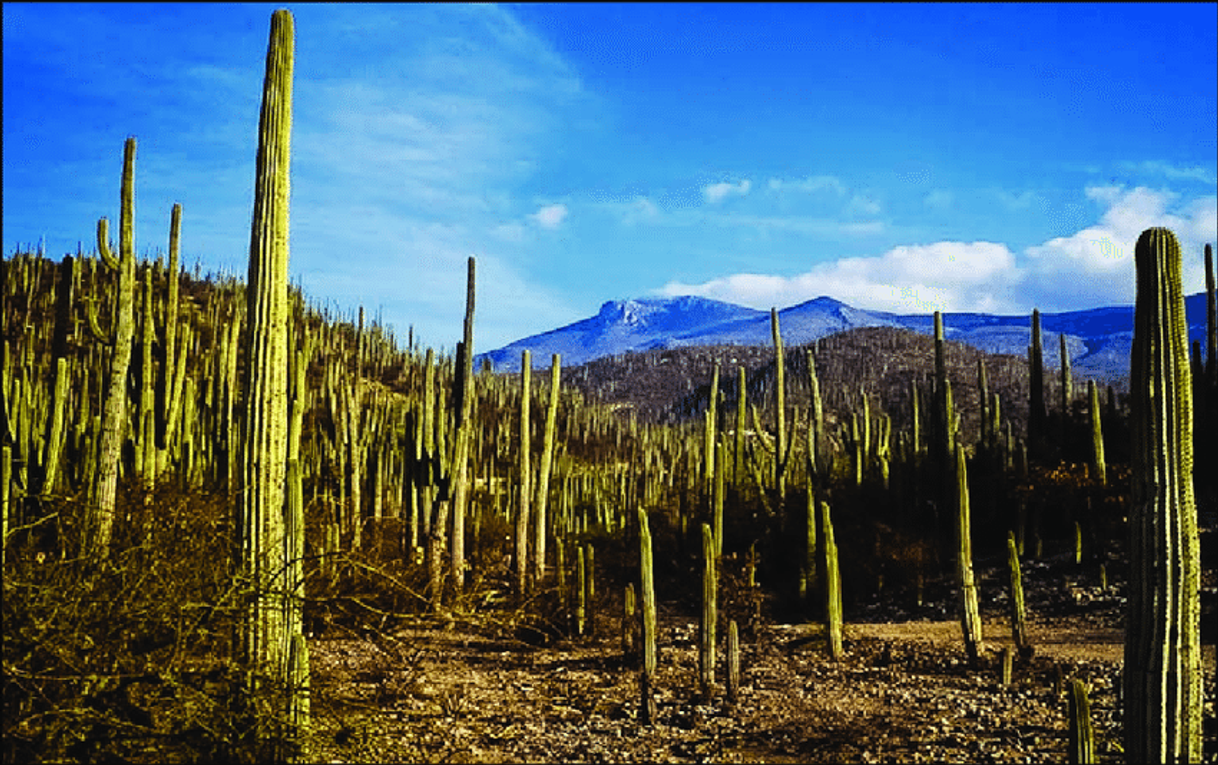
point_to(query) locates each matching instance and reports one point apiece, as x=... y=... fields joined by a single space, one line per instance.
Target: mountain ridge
x=1098 y=340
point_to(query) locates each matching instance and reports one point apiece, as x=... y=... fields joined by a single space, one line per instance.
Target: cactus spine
x=1162 y=642
x=100 y=525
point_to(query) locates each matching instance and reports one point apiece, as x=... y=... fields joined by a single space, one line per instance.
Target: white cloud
x=1093 y=267
x=550 y=216
x=716 y=192
x=809 y=184
x=949 y=276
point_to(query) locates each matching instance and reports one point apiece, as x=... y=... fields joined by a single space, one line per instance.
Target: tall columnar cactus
x=1019 y=629
x=816 y=422
x=100 y=524
x=970 y=613
x=1099 y=470
x=780 y=407
x=169 y=394
x=262 y=524
x=543 y=474
x=719 y=497
x=1067 y=380
x=1211 y=320
x=463 y=407
x=525 y=481
x=55 y=427
x=1162 y=640
x=648 y=594
x=733 y=661
x=1082 y=735
x=983 y=399
x=712 y=429
x=1036 y=371
x=738 y=447
x=706 y=626
x=833 y=586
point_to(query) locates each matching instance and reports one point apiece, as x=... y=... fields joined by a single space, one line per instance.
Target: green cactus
x=648 y=594
x=522 y=510
x=55 y=428
x=1162 y=641
x=1036 y=412
x=1211 y=320
x=463 y=407
x=738 y=447
x=833 y=586
x=543 y=474
x=629 y=619
x=733 y=662
x=100 y=523
x=706 y=627
x=816 y=422
x=970 y=614
x=712 y=429
x=1082 y=737
x=1019 y=629
x=780 y=407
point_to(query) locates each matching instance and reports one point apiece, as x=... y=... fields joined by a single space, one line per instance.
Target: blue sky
x=897 y=157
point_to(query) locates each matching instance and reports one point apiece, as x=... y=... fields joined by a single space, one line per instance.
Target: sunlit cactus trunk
x=970 y=613
x=262 y=521
x=833 y=586
x=1036 y=371
x=543 y=474
x=648 y=596
x=463 y=408
x=522 y=509
x=706 y=626
x=780 y=406
x=1162 y=672
x=1082 y=736
x=99 y=527
x=1099 y=469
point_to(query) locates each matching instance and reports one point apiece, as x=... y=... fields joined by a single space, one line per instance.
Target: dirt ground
x=470 y=693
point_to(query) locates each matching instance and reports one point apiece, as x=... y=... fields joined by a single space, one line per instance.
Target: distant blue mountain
x=1098 y=339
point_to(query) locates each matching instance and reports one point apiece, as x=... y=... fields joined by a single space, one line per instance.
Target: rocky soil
x=466 y=691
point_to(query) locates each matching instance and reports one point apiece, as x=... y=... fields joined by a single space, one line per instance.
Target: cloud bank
x=1093 y=267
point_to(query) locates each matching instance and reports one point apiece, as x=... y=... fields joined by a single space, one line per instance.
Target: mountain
x=1098 y=340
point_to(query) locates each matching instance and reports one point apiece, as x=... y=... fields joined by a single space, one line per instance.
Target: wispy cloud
x=1170 y=171
x=550 y=216
x=812 y=183
x=939 y=199
x=717 y=192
